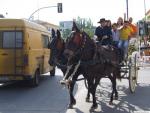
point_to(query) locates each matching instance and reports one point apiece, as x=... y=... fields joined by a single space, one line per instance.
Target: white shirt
x=115 y=35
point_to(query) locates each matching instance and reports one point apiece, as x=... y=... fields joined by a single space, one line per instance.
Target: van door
x=11 y=45
x=45 y=41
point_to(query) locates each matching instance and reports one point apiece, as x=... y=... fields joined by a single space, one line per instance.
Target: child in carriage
x=115 y=35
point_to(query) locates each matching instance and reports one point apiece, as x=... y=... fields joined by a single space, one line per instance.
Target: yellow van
x=24 y=52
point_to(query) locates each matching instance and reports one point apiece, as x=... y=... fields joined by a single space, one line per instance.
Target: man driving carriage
x=103 y=33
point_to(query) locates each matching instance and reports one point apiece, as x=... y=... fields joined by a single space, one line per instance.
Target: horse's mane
x=88 y=38
x=75 y=28
x=58 y=34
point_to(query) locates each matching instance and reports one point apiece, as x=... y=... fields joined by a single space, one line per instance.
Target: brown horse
x=56 y=56
x=98 y=61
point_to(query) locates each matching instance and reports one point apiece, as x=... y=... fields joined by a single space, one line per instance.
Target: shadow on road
x=51 y=97
x=127 y=102
x=48 y=97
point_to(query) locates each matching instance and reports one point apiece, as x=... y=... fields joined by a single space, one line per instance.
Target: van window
x=45 y=40
x=12 y=39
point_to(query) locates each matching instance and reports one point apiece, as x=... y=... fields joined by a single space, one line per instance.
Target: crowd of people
x=117 y=34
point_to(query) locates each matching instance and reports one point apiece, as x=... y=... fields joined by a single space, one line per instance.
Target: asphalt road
x=51 y=97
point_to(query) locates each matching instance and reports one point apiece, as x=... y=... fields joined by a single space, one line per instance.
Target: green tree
x=83 y=24
x=66 y=33
x=148 y=17
x=86 y=25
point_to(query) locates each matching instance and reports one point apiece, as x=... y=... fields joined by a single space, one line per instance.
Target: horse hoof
x=70 y=106
x=74 y=102
x=94 y=107
x=87 y=100
x=110 y=103
x=91 y=110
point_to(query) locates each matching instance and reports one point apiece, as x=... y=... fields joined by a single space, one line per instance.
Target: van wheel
x=52 y=72
x=36 y=79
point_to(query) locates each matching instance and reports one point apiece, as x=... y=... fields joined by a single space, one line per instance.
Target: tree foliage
x=83 y=24
x=86 y=25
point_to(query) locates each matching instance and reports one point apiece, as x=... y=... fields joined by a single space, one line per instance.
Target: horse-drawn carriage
x=95 y=62
x=128 y=71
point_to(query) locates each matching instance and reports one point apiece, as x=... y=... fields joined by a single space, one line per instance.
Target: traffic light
x=59 y=7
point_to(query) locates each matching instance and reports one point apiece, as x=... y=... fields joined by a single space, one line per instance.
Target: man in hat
x=103 y=33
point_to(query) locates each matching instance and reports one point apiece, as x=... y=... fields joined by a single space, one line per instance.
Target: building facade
x=48 y=25
x=148 y=15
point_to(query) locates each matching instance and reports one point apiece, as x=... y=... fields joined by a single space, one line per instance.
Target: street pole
x=145 y=9
x=38 y=10
x=127 y=9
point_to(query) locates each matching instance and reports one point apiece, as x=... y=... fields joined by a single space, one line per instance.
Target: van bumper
x=16 y=77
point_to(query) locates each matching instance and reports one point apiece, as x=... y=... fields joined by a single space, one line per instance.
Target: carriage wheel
x=86 y=83
x=132 y=74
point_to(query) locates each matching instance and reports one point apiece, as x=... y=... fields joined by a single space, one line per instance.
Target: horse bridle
x=83 y=44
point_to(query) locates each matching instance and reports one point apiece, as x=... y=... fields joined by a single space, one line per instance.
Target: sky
x=93 y=9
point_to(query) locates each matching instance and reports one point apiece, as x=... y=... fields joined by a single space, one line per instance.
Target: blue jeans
x=123 y=44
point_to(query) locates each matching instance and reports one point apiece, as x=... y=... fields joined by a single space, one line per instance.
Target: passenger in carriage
x=119 y=27
x=134 y=28
x=108 y=24
x=115 y=35
x=125 y=35
x=103 y=33
x=119 y=23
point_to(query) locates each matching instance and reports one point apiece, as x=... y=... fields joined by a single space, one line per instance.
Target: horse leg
x=93 y=87
x=72 y=99
x=71 y=87
x=88 y=94
x=114 y=79
x=114 y=90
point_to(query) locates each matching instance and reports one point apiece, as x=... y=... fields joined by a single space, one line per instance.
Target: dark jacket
x=105 y=31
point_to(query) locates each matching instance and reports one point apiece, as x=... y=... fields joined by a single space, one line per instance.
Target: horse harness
x=96 y=59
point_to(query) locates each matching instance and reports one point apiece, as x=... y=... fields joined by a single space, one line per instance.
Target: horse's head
x=59 y=41
x=57 y=46
x=74 y=44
